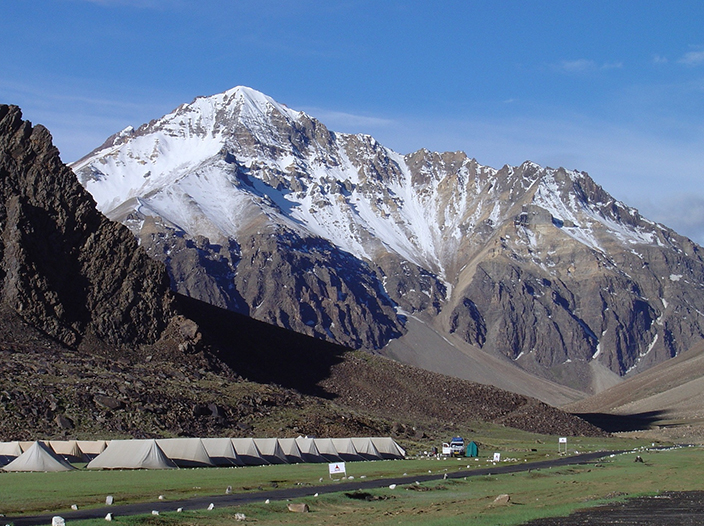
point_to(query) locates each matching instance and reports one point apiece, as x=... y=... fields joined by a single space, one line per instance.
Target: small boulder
x=298 y=507
x=502 y=499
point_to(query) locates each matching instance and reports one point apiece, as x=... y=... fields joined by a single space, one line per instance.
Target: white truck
x=455 y=448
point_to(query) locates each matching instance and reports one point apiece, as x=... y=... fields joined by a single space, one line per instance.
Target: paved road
x=235 y=499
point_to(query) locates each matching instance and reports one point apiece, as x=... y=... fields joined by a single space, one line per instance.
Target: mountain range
x=93 y=343
x=494 y=275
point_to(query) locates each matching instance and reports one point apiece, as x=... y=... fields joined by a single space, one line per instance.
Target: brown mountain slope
x=669 y=395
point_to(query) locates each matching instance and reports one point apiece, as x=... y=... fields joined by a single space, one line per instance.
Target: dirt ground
x=683 y=508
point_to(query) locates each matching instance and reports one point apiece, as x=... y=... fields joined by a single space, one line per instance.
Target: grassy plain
x=533 y=494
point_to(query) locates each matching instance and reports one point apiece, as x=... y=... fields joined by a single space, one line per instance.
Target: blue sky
x=612 y=88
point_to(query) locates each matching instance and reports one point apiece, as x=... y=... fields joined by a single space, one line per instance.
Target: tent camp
x=68 y=450
x=247 y=451
x=91 y=448
x=132 y=454
x=345 y=449
x=185 y=452
x=9 y=451
x=270 y=450
x=291 y=450
x=327 y=449
x=38 y=457
x=221 y=452
x=365 y=448
x=388 y=448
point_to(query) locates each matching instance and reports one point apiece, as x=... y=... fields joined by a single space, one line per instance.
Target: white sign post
x=337 y=468
x=497 y=457
x=560 y=441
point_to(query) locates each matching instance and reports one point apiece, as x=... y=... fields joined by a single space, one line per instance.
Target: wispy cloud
x=578 y=66
x=693 y=58
x=142 y=4
x=682 y=212
x=341 y=121
x=659 y=59
x=583 y=65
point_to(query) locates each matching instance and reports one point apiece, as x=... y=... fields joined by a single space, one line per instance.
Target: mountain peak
x=295 y=217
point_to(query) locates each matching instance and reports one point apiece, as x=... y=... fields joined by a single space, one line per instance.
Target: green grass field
x=445 y=502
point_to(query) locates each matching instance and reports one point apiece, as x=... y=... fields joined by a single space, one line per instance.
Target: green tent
x=472 y=450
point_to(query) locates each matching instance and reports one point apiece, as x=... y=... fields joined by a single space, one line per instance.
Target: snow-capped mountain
x=262 y=209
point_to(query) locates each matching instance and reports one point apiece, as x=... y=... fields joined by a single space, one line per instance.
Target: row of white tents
x=192 y=452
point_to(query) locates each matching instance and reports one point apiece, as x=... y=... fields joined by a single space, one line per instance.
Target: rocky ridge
x=261 y=209
x=65 y=268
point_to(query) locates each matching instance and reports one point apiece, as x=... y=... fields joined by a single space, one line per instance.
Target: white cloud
x=142 y=4
x=693 y=58
x=342 y=121
x=659 y=59
x=583 y=65
x=578 y=66
x=684 y=213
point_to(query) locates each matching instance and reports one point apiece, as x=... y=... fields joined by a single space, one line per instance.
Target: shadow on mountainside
x=620 y=423
x=262 y=352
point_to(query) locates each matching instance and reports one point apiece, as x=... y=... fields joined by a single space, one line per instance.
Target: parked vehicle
x=455 y=448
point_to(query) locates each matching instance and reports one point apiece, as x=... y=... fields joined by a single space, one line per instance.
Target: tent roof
x=11 y=449
x=365 y=447
x=291 y=449
x=345 y=448
x=221 y=451
x=247 y=451
x=185 y=452
x=327 y=449
x=39 y=457
x=309 y=451
x=132 y=454
x=270 y=450
x=68 y=449
x=92 y=447
x=388 y=448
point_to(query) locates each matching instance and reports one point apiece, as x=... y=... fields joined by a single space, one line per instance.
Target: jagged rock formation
x=65 y=268
x=336 y=236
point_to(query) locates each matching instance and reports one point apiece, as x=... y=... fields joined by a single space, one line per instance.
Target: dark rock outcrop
x=65 y=268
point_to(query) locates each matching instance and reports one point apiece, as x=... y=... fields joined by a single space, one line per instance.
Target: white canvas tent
x=92 y=448
x=247 y=451
x=270 y=450
x=132 y=454
x=345 y=449
x=39 y=457
x=309 y=452
x=388 y=448
x=68 y=450
x=291 y=450
x=9 y=451
x=365 y=448
x=185 y=452
x=327 y=449
x=221 y=452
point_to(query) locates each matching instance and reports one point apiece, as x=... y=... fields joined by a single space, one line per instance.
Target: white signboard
x=497 y=457
x=337 y=468
x=562 y=440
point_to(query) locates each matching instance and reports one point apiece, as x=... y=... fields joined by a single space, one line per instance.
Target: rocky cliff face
x=65 y=268
x=261 y=209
